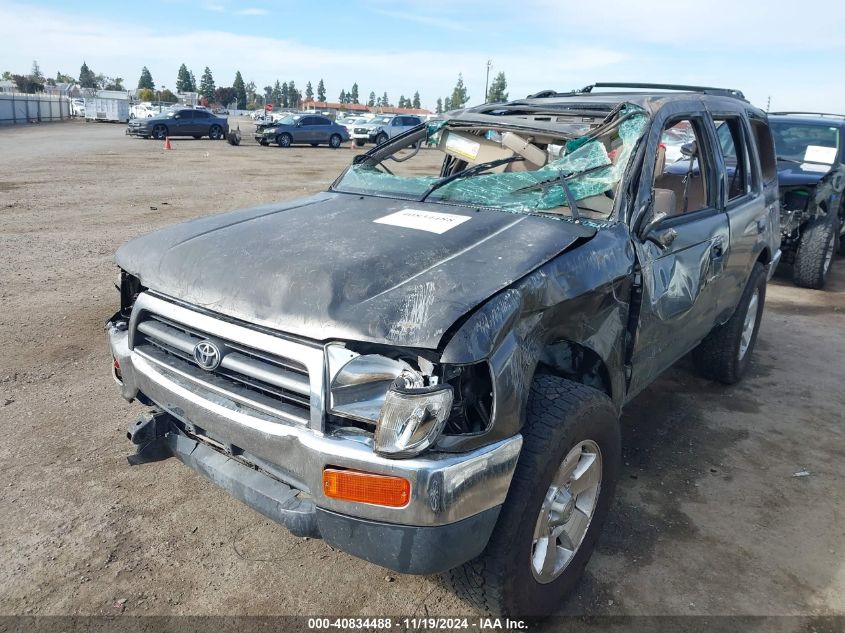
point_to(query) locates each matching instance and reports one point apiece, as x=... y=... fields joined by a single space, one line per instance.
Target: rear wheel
x=725 y=353
x=335 y=141
x=160 y=132
x=284 y=140
x=558 y=500
x=815 y=252
x=215 y=133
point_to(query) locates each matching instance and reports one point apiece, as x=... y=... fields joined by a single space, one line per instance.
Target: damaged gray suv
x=425 y=366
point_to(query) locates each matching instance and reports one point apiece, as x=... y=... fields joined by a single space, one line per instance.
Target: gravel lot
x=710 y=517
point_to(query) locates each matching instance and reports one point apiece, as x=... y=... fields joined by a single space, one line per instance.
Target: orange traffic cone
x=167 y=144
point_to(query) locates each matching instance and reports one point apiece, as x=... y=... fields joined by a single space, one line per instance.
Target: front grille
x=252 y=378
x=361 y=130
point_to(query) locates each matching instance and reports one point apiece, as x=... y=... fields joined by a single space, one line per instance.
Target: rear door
x=182 y=123
x=682 y=244
x=322 y=128
x=202 y=122
x=741 y=193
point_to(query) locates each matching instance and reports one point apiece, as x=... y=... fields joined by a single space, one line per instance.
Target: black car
x=302 y=129
x=425 y=364
x=811 y=173
x=180 y=122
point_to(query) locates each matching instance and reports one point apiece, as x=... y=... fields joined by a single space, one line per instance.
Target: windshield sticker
x=430 y=221
x=820 y=154
x=462 y=147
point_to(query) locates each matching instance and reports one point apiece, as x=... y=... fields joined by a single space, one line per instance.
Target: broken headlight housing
x=408 y=406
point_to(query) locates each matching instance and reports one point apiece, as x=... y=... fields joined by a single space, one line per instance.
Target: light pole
x=487 y=80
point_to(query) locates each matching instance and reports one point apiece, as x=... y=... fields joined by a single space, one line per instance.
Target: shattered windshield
x=572 y=170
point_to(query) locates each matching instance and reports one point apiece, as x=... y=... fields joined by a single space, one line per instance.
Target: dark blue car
x=180 y=122
x=303 y=129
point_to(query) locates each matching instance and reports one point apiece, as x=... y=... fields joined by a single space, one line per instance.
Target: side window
x=201 y=114
x=735 y=156
x=318 y=120
x=681 y=177
x=397 y=122
x=766 y=150
x=308 y=120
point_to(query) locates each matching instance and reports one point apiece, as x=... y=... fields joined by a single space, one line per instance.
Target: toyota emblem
x=207 y=355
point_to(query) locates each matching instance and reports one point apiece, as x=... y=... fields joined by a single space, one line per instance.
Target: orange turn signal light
x=354 y=485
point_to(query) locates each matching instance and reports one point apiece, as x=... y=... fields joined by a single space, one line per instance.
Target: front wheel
x=381 y=138
x=284 y=140
x=815 y=252
x=215 y=133
x=335 y=141
x=160 y=132
x=558 y=500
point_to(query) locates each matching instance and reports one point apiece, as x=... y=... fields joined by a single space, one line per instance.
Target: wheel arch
x=575 y=362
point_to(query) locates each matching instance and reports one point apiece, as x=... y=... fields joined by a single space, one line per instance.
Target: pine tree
x=35 y=73
x=294 y=97
x=384 y=100
x=193 y=82
x=447 y=104
x=459 y=94
x=353 y=94
x=416 y=102
x=342 y=97
x=439 y=108
x=309 y=92
x=183 y=80
x=284 y=97
x=277 y=95
x=498 y=89
x=87 y=78
x=371 y=102
x=207 y=84
x=321 y=91
x=240 y=90
x=401 y=103
x=146 y=80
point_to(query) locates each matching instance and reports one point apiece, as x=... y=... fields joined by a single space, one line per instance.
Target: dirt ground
x=710 y=517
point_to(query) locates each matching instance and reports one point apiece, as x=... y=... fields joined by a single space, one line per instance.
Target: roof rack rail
x=722 y=92
x=822 y=114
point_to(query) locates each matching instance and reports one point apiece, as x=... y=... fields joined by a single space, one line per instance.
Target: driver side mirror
x=690 y=149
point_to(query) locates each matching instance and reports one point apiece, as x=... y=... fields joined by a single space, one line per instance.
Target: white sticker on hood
x=430 y=221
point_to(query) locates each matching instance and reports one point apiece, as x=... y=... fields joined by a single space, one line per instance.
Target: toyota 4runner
x=427 y=370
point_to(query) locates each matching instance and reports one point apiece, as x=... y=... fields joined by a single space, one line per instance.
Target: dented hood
x=323 y=268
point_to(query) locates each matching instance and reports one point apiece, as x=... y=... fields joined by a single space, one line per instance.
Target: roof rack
x=710 y=90
x=722 y=92
x=821 y=114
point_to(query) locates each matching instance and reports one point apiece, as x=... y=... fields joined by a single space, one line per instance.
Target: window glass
x=766 y=149
x=734 y=155
x=808 y=143
x=318 y=120
x=680 y=174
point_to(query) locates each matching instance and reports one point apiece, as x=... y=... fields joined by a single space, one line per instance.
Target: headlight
x=408 y=408
x=411 y=419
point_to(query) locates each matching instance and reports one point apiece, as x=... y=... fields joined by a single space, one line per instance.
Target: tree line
x=246 y=95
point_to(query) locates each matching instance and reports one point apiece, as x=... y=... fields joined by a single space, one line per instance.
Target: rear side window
x=318 y=120
x=766 y=149
x=734 y=156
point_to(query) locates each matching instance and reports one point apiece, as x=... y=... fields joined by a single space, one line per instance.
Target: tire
x=359 y=143
x=815 y=252
x=284 y=140
x=724 y=355
x=381 y=138
x=840 y=238
x=562 y=416
x=263 y=143
x=197 y=136
x=160 y=132
x=335 y=141
x=215 y=132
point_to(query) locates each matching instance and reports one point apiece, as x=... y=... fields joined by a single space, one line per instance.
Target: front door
x=682 y=254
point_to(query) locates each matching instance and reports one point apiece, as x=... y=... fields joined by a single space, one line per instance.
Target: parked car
x=811 y=162
x=382 y=128
x=180 y=122
x=302 y=129
x=427 y=370
x=77 y=107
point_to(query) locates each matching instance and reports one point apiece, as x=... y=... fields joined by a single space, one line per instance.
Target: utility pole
x=487 y=81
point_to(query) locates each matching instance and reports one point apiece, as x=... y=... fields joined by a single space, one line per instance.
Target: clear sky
x=788 y=51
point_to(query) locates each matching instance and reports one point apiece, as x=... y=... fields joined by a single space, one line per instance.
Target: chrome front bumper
x=445 y=487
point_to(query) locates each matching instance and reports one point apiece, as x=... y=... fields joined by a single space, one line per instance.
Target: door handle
x=717 y=250
x=762 y=223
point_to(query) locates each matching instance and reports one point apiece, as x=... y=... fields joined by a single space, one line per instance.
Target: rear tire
x=335 y=141
x=724 y=355
x=215 y=133
x=815 y=252
x=565 y=422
